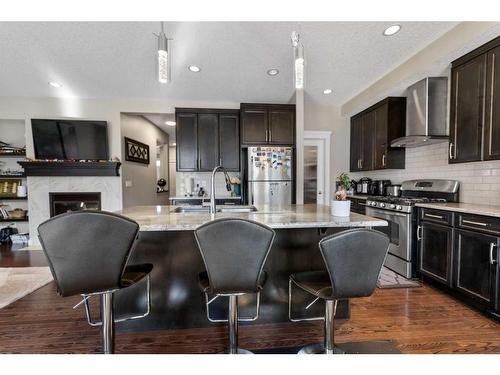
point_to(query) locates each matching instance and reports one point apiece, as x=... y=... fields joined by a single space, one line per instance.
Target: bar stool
x=234 y=252
x=353 y=259
x=87 y=252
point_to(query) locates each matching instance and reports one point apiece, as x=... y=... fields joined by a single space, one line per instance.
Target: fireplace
x=65 y=202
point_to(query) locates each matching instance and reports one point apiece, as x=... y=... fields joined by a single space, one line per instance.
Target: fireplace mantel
x=70 y=168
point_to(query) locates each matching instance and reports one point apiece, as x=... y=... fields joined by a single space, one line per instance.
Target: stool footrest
x=98 y=323
x=292 y=319
x=209 y=300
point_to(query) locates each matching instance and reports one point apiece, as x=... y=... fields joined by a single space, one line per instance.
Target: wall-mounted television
x=70 y=139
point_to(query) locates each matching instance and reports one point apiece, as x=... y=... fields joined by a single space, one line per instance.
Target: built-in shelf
x=24 y=219
x=13 y=154
x=13 y=198
x=12 y=176
x=70 y=168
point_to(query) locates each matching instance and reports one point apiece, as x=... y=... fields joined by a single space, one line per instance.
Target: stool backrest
x=87 y=250
x=234 y=252
x=354 y=259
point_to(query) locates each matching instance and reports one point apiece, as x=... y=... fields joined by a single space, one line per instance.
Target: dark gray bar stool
x=88 y=253
x=353 y=259
x=234 y=252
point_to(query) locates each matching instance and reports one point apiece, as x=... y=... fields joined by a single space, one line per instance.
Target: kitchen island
x=167 y=241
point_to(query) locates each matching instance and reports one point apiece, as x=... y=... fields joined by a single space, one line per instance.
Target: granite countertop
x=204 y=197
x=468 y=208
x=162 y=218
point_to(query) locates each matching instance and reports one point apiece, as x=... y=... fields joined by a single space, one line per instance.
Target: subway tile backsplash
x=479 y=181
x=203 y=180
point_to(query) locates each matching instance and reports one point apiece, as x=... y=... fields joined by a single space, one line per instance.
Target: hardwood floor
x=419 y=320
x=21 y=258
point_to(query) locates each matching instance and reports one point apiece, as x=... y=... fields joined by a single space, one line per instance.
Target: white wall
x=327 y=118
x=142 y=177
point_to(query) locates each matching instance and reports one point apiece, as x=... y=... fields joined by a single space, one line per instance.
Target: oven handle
x=376 y=211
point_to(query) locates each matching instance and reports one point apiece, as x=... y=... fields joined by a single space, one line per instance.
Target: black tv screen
x=70 y=139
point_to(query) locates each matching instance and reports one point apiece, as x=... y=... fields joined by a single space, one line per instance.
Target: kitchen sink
x=236 y=209
x=220 y=208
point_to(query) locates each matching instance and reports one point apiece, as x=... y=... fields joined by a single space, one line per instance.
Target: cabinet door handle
x=492 y=246
x=419 y=232
x=383 y=160
x=270 y=134
x=474 y=223
x=450 y=155
x=361 y=163
x=267 y=135
x=434 y=216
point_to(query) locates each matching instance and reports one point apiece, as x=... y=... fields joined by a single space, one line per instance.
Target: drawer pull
x=434 y=216
x=474 y=223
x=419 y=232
x=492 y=246
x=362 y=204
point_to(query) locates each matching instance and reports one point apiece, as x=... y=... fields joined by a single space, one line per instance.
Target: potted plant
x=341 y=206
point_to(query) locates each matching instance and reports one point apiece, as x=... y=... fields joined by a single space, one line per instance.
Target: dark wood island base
x=178 y=302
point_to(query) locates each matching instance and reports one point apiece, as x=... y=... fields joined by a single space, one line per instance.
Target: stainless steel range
x=401 y=214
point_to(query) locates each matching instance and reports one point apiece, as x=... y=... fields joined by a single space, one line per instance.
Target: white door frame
x=324 y=136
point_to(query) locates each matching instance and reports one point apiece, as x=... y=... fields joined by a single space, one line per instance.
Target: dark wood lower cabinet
x=436 y=245
x=476 y=266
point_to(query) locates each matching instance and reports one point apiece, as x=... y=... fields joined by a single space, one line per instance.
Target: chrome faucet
x=213 y=207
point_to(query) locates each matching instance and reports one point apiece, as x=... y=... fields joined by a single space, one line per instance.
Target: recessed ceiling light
x=327 y=91
x=55 y=84
x=194 y=68
x=173 y=144
x=170 y=123
x=273 y=72
x=391 y=30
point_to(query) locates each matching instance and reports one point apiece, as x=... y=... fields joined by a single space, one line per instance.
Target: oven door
x=399 y=231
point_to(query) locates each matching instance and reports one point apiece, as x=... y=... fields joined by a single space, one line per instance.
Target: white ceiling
x=159 y=120
x=117 y=59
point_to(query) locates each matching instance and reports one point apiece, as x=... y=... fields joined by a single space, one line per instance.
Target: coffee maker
x=379 y=187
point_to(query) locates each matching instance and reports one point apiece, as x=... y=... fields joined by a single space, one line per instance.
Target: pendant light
x=298 y=57
x=163 y=57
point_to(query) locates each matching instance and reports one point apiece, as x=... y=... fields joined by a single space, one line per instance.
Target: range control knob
x=399 y=207
x=382 y=204
x=373 y=203
x=393 y=206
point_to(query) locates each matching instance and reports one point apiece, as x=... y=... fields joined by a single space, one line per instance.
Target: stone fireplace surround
x=39 y=189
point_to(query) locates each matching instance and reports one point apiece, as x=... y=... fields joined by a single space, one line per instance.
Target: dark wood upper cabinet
x=492 y=123
x=229 y=141
x=281 y=126
x=267 y=124
x=467 y=108
x=186 y=134
x=207 y=138
x=254 y=125
x=475 y=105
x=367 y=141
x=355 y=144
x=208 y=141
x=372 y=132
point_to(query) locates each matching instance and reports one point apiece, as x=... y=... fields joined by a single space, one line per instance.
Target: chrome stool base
x=239 y=351
x=319 y=349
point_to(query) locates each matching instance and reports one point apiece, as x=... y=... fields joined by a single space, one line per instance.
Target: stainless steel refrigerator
x=270 y=176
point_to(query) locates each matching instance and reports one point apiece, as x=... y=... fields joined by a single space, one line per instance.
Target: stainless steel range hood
x=426 y=111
